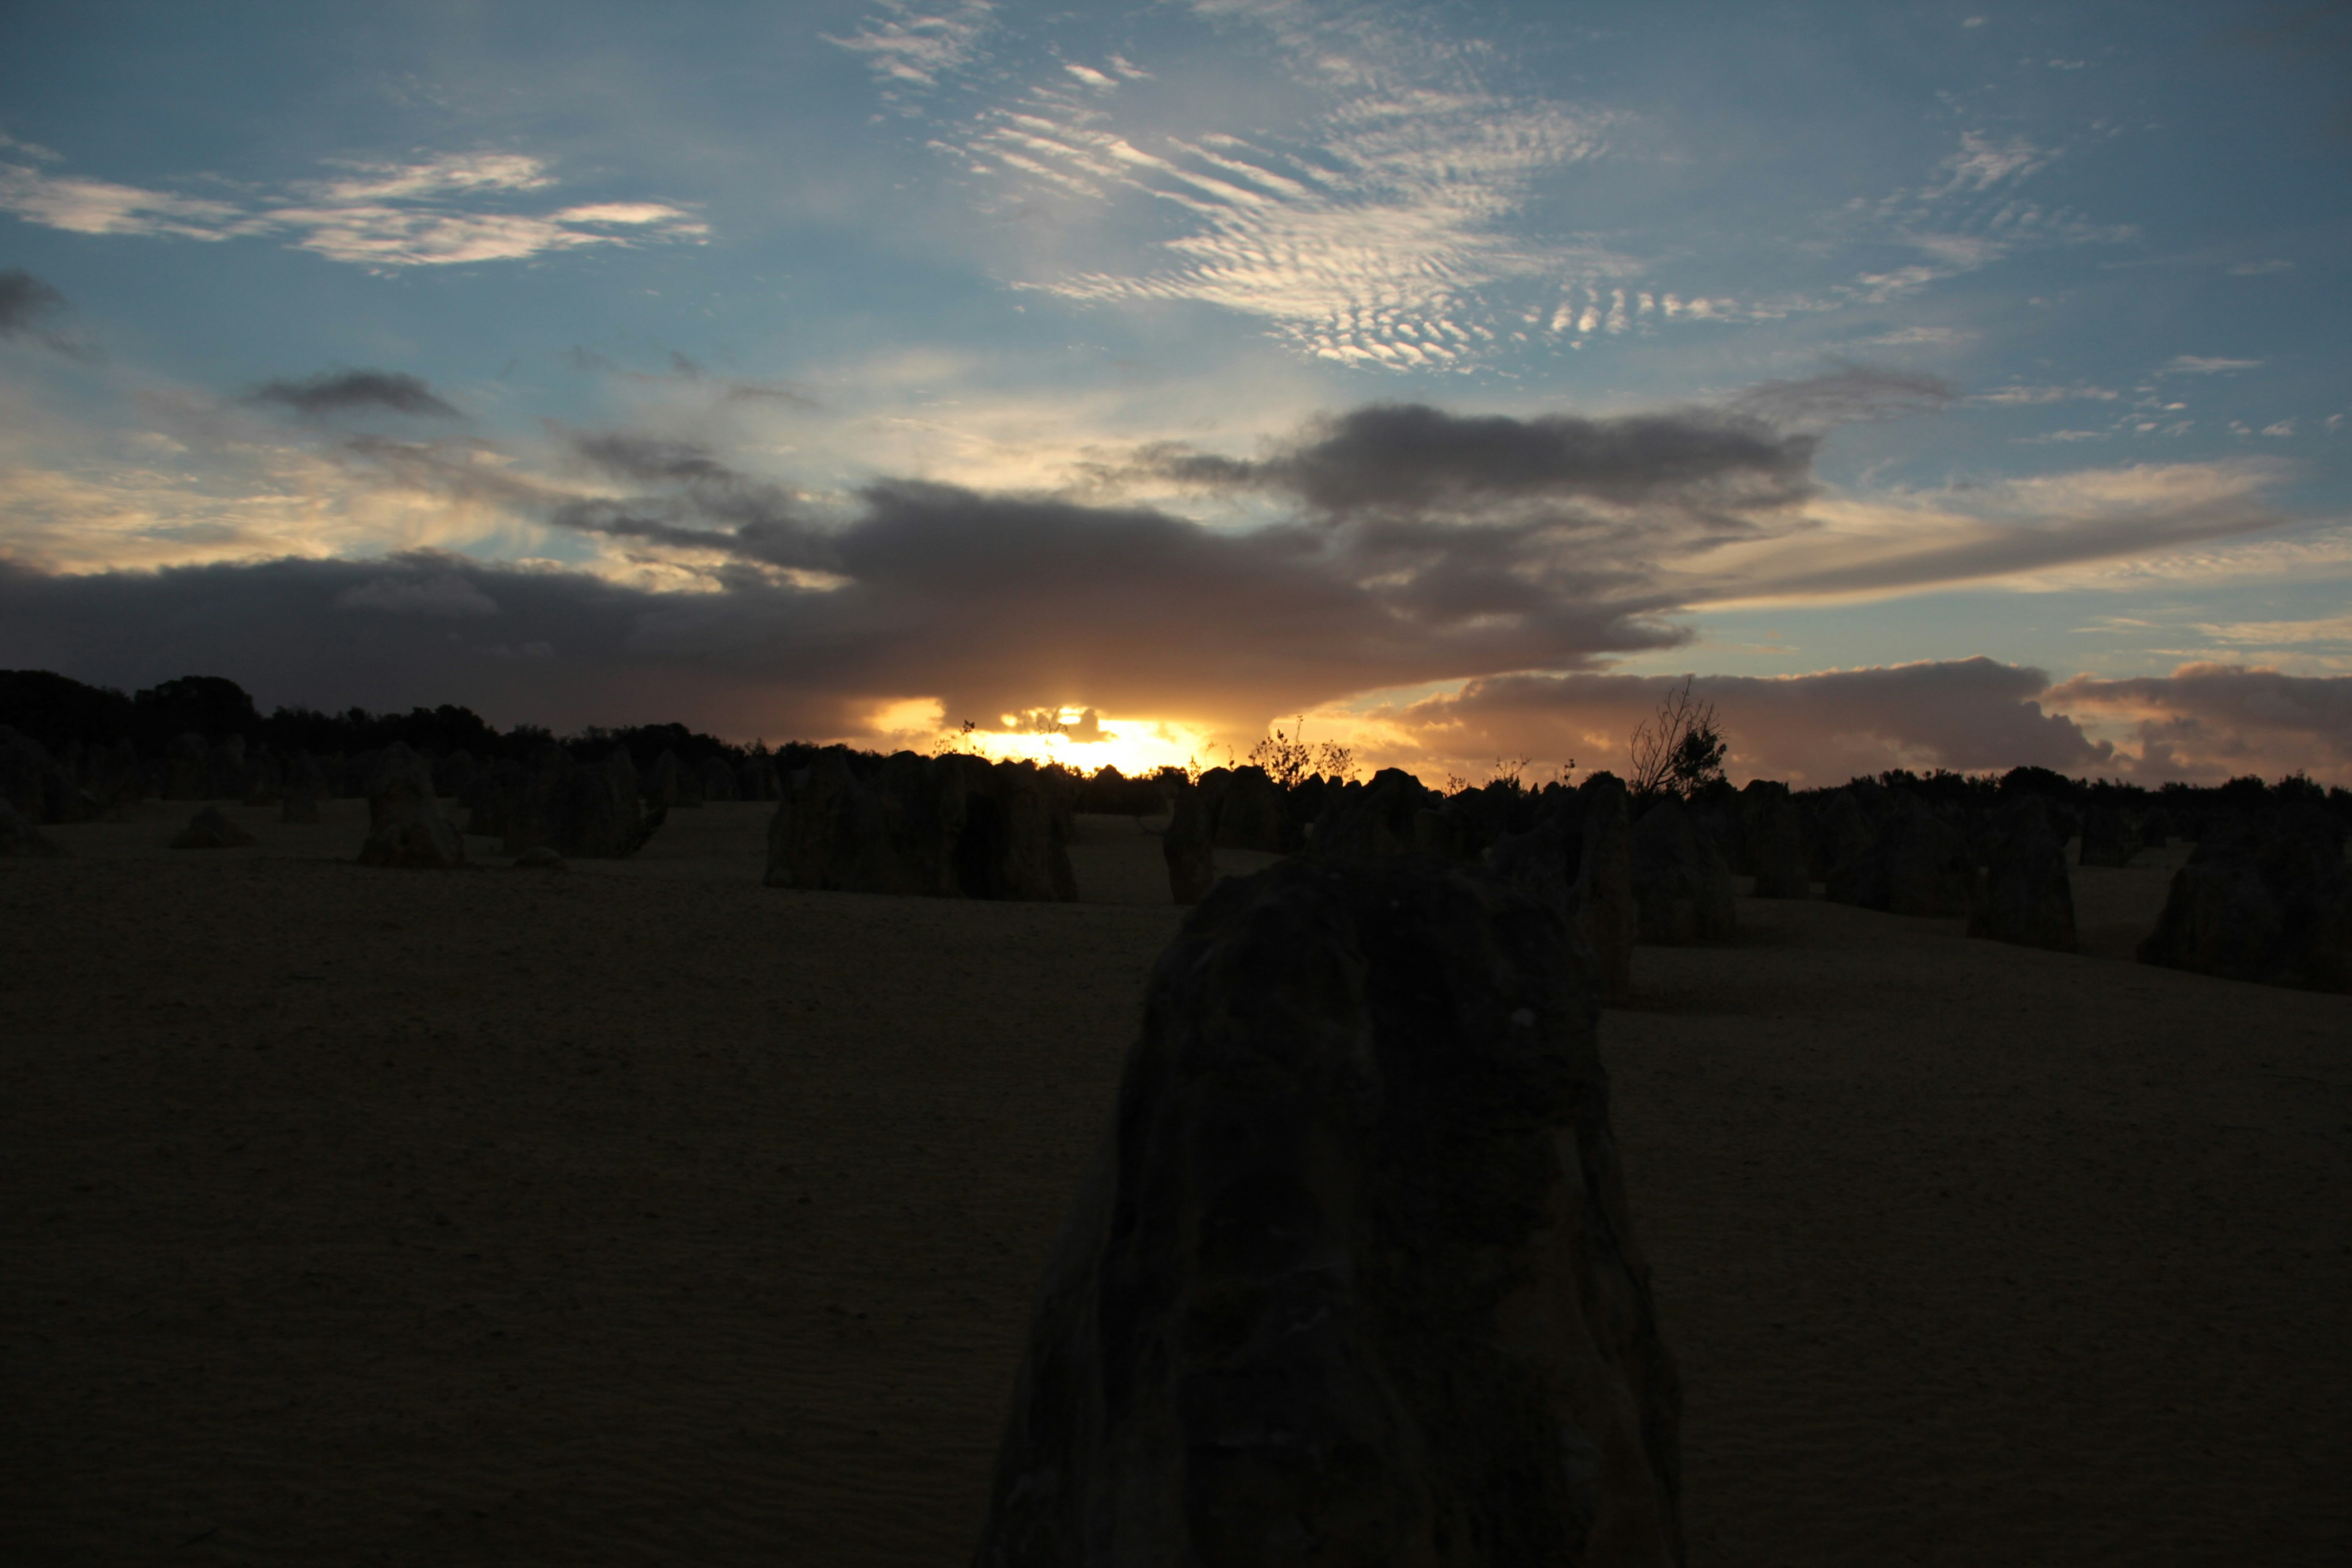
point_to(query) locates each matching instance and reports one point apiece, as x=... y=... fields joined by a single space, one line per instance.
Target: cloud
x=32 y=309
x=1850 y=393
x=339 y=392
x=2040 y=531
x=1407 y=460
x=2195 y=364
x=1369 y=220
x=444 y=210
x=907 y=48
x=1820 y=728
x=2217 y=721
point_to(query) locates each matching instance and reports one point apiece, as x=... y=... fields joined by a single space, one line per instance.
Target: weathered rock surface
x=1682 y=889
x=407 y=829
x=1017 y=834
x=1915 y=865
x=1775 y=837
x=19 y=839
x=1187 y=847
x=1352 y=1281
x=2269 y=901
x=2028 y=898
x=208 y=829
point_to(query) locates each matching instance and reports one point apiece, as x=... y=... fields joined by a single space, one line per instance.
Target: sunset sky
x=1942 y=386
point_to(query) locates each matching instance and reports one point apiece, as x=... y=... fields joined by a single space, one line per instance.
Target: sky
x=1933 y=385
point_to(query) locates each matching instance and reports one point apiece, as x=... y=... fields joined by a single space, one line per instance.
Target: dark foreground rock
x=2028 y=898
x=1682 y=889
x=208 y=829
x=1606 y=915
x=2270 y=903
x=1352 y=1279
x=407 y=831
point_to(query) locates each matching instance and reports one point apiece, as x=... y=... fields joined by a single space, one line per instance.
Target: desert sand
x=642 y=1214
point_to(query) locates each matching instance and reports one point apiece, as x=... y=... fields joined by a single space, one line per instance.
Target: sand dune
x=643 y=1213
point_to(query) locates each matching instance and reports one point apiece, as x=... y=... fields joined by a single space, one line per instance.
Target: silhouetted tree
x=1677 y=750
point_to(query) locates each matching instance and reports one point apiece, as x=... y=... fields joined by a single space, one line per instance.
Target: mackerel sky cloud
x=1954 y=387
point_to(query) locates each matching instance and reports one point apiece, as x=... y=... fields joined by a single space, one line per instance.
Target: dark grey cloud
x=995 y=605
x=1406 y=460
x=31 y=308
x=350 y=391
x=1964 y=714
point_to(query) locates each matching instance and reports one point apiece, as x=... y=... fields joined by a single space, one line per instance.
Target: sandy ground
x=644 y=1214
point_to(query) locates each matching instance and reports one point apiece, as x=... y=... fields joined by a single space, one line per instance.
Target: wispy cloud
x=448 y=209
x=2199 y=365
x=912 y=46
x=1374 y=228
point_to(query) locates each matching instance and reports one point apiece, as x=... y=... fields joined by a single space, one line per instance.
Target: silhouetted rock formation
x=1014 y=843
x=583 y=810
x=208 y=829
x=40 y=787
x=1245 y=809
x=185 y=762
x=758 y=780
x=1682 y=889
x=1393 y=814
x=19 y=839
x=306 y=781
x=1606 y=915
x=1186 y=847
x=717 y=779
x=2027 y=899
x=1842 y=833
x=2109 y=837
x=265 y=780
x=496 y=797
x=1915 y=865
x=2269 y=901
x=1352 y=1281
x=224 y=768
x=1775 y=838
x=453 y=773
x=937 y=827
x=407 y=829
x=373 y=772
x=670 y=783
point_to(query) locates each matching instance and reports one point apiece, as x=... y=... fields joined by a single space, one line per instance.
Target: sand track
x=646 y=1214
